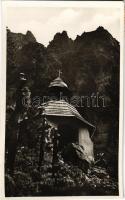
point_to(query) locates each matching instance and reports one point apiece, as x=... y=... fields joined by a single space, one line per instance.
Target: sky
x=45 y=22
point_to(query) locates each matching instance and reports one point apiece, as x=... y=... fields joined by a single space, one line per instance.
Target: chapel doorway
x=68 y=134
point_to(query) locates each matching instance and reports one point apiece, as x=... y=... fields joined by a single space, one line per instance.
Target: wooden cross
x=60 y=72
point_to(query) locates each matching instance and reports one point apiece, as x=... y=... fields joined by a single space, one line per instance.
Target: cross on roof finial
x=60 y=72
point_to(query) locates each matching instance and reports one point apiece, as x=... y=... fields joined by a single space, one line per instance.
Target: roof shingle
x=63 y=108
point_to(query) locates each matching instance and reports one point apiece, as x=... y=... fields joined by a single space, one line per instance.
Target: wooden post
x=41 y=155
x=55 y=155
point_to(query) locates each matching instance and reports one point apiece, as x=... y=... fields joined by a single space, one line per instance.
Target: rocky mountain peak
x=30 y=37
x=60 y=42
x=19 y=40
x=98 y=33
x=61 y=36
x=98 y=37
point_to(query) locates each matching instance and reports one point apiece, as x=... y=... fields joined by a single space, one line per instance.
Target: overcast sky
x=45 y=22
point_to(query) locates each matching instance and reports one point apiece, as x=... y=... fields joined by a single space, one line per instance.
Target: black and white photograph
x=63 y=94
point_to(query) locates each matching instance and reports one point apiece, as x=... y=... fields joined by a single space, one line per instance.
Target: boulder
x=75 y=154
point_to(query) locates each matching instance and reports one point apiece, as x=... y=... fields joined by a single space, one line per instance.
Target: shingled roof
x=58 y=82
x=63 y=108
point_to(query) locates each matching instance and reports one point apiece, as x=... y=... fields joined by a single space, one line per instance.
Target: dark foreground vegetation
x=68 y=179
